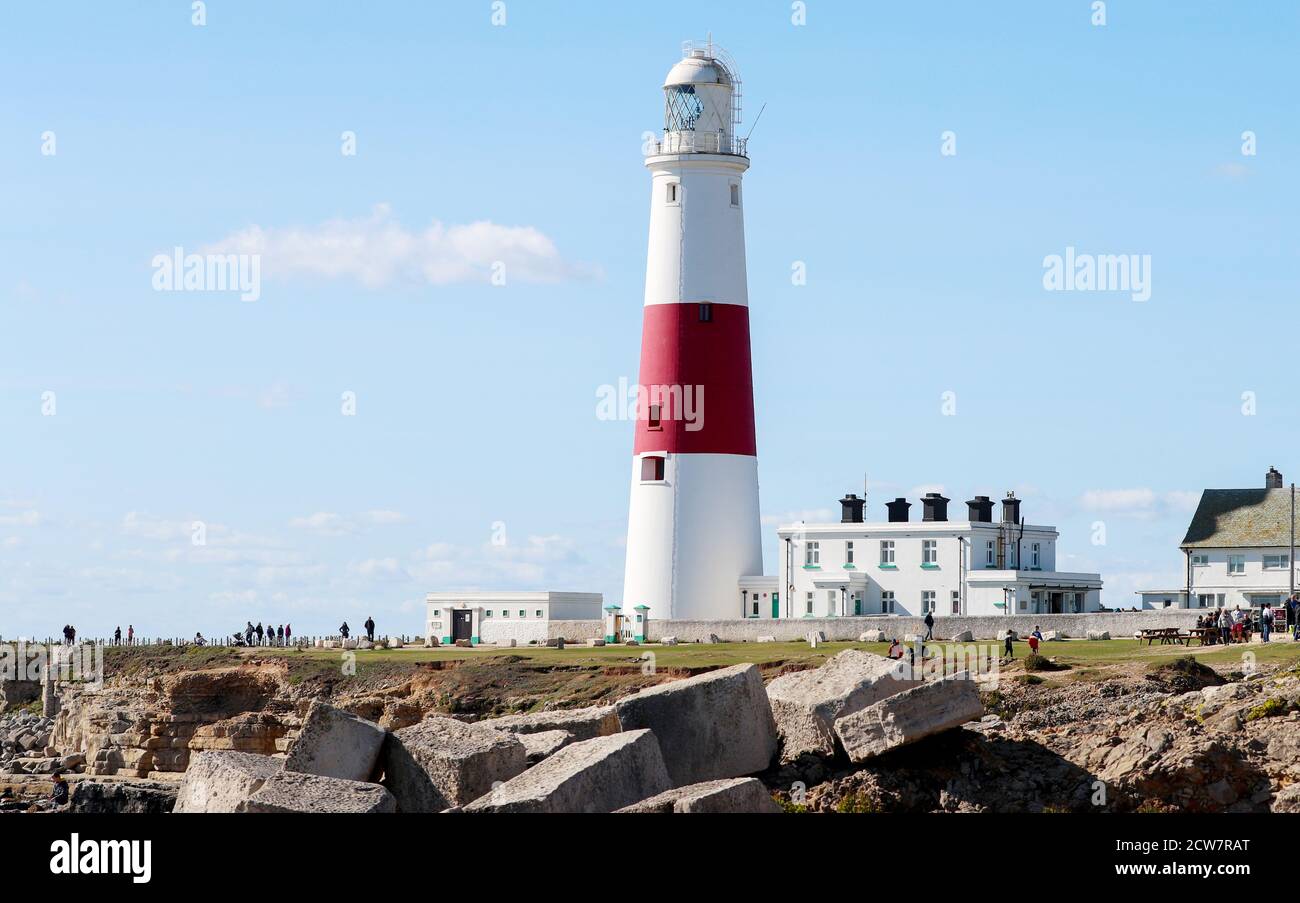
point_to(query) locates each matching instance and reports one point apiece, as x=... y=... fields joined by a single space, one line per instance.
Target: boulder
x=542 y=744
x=131 y=797
x=1003 y=634
x=442 y=762
x=668 y=641
x=1053 y=635
x=598 y=775
x=596 y=642
x=871 y=636
x=726 y=796
x=298 y=792
x=714 y=725
x=583 y=724
x=336 y=744
x=364 y=643
x=1098 y=634
x=220 y=781
x=814 y=637
x=806 y=704
x=766 y=639
x=964 y=637
x=350 y=643
x=909 y=716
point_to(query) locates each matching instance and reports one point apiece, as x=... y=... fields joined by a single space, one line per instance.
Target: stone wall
x=1119 y=624
x=493 y=630
x=15 y=693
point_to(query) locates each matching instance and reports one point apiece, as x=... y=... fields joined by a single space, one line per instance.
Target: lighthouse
x=693 y=519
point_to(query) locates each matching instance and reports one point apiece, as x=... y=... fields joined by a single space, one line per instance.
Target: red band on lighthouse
x=696 y=387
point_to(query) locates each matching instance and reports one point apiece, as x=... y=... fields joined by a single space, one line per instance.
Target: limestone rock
x=336 y=744
x=909 y=716
x=131 y=797
x=964 y=637
x=714 y=725
x=299 y=792
x=442 y=762
x=871 y=636
x=766 y=639
x=806 y=704
x=585 y=724
x=542 y=744
x=746 y=795
x=1098 y=634
x=668 y=641
x=598 y=775
x=222 y=781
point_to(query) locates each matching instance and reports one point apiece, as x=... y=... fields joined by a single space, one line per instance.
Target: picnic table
x=1165 y=636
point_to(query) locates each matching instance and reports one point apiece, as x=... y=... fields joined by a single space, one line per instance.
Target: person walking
x=1009 y=650
x=248 y=634
x=288 y=634
x=1293 y=612
x=130 y=634
x=117 y=636
x=1265 y=621
x=1225 y=626
x=279 y=635
x=929 y=625
x=370 y=629
x=258 y=631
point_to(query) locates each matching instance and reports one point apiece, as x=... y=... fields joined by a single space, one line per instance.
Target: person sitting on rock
x=895 y=648
x=199 y=641
x=59 y=795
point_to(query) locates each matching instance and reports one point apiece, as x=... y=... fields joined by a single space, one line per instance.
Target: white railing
x=701 y=143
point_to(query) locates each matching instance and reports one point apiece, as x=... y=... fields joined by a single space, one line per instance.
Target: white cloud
x=378 y=251
x=328 y=523
x=808 y=515
x=1140 y=502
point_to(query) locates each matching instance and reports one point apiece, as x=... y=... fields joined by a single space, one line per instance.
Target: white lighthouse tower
x=693 y=522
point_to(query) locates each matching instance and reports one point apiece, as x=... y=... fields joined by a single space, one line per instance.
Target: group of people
x=1237 y=626
x=130 y=635
x=69 y=635
x=268 y=635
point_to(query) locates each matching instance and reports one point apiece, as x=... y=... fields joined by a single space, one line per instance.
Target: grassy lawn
x=1080 y=653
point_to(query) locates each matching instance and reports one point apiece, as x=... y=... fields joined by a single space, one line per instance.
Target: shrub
x=1036 y=662
x=1269 y=708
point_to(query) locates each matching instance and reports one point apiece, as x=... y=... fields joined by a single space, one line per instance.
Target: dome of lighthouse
x=698 y=69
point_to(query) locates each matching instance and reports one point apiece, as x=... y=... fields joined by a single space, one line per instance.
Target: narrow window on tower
x=654 y=419
x=652 y=469
x=706 y=313
x=735 y=195
x=674 y=193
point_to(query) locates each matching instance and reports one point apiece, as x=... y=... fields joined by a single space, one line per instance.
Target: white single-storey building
x=902 y=567
x=1237 y=550
x=491 y=617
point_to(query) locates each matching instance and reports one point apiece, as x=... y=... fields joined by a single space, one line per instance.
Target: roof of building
x=1241 y=518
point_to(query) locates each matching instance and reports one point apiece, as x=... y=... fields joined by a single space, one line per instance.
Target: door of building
x=776 y=605
x=462 y=625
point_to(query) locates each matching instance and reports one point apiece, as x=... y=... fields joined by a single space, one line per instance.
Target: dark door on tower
x=462 y=625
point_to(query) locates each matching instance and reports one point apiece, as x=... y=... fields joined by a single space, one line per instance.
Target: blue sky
x=476 y=403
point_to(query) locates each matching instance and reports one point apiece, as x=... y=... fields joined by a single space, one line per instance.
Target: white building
x=902 y=567
x=490 y=617
x=1238 y=550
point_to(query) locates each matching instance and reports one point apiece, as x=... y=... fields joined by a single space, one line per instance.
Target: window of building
x=706 y=313
x=537 y=613
x=1200 y=558
x=735 y=195
x=848 y=552
x=1276 y=562
x=755 y=607
x=929 y=551
x=1236 y=564
x=808 y=609
x=990 y=555
x=887 y=552
x=1205 y=600
x=487 y=612
x=812 y=555
x=674 y=193
x=832 y=601
x=652 y=469
x=956 y=602
x=654 y=417
x=522 y=613
x=1035 y=558
x=887 y=602
x=927 y=600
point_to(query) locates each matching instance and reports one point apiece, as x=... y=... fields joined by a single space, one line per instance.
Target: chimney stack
x=936 y=507
x=1273 y=479
x=1011 y=509
x=898 y=510
x=981 y=509
x=851 y=509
